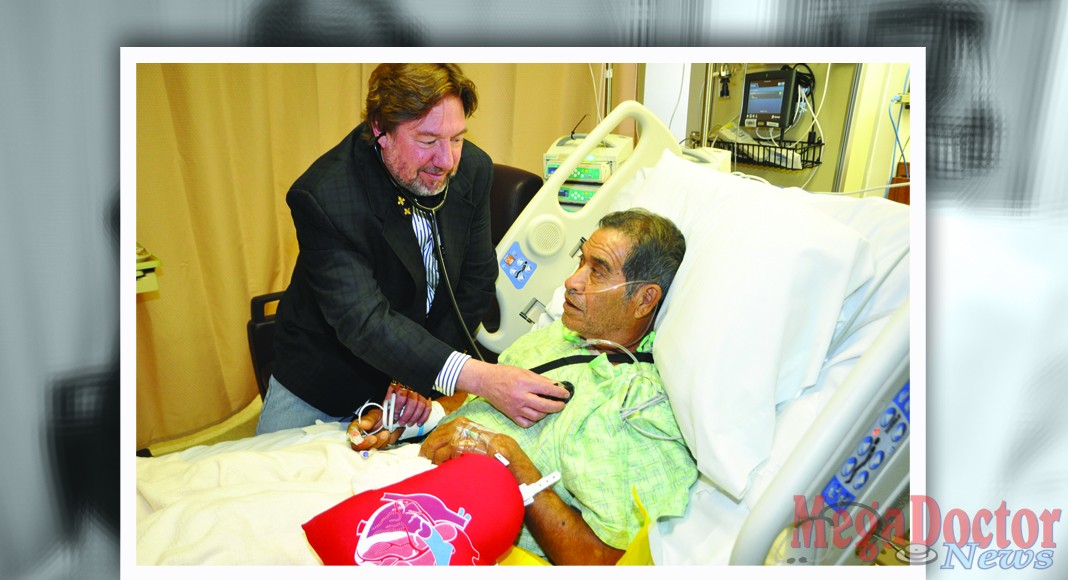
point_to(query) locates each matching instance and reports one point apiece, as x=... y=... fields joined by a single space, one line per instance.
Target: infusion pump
x=591 y=172
x=598 y=166
x=603 y=161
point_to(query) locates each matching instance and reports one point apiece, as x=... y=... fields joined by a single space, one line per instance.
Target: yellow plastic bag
x=517 y=556
x=638 y=552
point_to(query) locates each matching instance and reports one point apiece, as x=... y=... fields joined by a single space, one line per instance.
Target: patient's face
x=593 y=306
x=422 y=154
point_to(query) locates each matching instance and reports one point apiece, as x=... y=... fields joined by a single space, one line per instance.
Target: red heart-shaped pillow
x=466 y=511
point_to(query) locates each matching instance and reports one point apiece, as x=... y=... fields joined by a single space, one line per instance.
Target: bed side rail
x=854 y=457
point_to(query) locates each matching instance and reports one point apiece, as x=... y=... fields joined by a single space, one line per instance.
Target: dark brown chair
x=513 y=188
x=261 y=339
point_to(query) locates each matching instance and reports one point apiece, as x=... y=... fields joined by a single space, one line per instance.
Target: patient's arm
x=559 y=529
x=452 y=402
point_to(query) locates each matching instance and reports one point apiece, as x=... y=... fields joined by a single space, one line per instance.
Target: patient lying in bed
x=616 y=436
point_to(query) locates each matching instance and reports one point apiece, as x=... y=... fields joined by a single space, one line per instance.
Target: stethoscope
x=431 y=212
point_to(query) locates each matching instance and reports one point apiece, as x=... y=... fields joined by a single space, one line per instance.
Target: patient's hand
x=370 y=421
x=460 y=436
x=411 y=409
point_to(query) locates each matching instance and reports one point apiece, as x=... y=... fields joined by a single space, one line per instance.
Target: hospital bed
x=783 y=344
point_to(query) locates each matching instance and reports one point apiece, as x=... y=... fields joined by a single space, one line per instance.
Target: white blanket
x=243 y=502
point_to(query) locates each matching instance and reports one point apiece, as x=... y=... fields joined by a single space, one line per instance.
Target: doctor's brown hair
x=399 y=92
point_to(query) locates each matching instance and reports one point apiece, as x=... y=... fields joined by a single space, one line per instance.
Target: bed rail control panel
x=888 y=434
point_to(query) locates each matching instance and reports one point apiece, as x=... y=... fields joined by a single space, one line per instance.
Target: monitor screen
x=769 y=99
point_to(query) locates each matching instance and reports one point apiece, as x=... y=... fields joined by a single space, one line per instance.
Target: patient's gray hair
x=658 y=248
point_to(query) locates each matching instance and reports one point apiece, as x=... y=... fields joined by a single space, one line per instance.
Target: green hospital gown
x=600 y=458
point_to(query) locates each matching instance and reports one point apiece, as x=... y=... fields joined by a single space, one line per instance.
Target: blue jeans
x=284 y=410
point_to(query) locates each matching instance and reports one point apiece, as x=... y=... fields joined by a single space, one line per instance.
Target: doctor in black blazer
x=367 y=312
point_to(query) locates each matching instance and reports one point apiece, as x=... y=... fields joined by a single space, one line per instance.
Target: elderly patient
x=617 y=434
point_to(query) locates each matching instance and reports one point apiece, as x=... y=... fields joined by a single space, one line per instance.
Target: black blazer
x=354 y=314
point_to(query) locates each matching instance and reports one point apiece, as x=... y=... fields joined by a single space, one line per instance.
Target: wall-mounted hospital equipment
x=773 y=99
x=840 y=133
x=718 y=159
x=773 y=103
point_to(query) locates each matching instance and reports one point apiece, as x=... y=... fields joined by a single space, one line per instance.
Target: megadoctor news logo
x=998 y=538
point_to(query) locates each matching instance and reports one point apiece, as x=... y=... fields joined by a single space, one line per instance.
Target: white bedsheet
x=243 y=502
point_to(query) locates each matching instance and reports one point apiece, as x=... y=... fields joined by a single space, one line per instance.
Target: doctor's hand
x=512 y=390
x=411 y=408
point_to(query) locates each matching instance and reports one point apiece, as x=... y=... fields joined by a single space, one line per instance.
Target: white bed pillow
x=747 y=323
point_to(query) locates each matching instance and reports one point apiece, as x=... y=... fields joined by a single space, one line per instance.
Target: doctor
x=368 y=314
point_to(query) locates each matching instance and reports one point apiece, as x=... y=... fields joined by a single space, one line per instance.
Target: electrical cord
x=626 y=413
x=750 y=177
x=902 y=184
x=678 y=99
x=804 y=81
x=596 y=93
x=769 y=138
x=810 y=176
x=811 y=76
x=815 y=119
x=897 y=137
x=817 y=110
x=734 y=158
x=745 y=68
